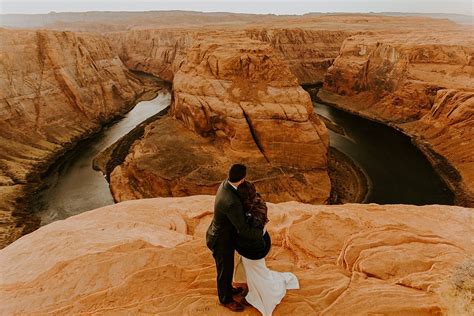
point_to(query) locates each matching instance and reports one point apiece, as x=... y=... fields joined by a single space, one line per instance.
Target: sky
x=256 y=6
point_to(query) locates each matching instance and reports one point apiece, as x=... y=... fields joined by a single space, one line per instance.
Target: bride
x=266 y=288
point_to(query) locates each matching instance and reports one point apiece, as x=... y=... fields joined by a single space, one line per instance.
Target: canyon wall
x=233 y=100
x=158 y=52
x=56 y=88
x=420 y=83
x=446 y=136
x=150 y=256
x=308 y=53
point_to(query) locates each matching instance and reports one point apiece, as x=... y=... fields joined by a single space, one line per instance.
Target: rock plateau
x=149 y=257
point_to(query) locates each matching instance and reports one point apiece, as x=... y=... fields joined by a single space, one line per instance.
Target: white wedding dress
x=266 y=287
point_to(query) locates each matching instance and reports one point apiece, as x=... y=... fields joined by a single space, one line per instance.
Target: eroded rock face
x=158 y=52
x=241 y=91
x=446 y=136
x=308 y=53
x=233 y=101
x=149 y=256
x=422 y=85
x=56 y=87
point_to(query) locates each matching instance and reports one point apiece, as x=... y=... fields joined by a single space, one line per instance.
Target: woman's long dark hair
x=254 y=206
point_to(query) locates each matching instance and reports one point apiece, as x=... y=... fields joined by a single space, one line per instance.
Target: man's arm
x=236 y=216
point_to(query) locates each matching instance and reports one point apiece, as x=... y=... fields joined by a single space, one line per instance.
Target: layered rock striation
x=159 y=52
x=56 y=88
x=422 y=84
x=234 y=100
x=308 y=53
x=149 y=256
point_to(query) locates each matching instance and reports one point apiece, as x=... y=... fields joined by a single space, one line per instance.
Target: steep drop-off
x=56 y=88
x=158 y=52
x=233 y=100
x=150 y=257
x=422 y=84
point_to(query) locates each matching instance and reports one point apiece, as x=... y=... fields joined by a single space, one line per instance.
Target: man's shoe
x=237 y=290
x=234 y=306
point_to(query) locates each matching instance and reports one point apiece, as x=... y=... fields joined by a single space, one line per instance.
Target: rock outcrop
x=149 y=256
x=56 y=88
x=233 y=100
x=422 y=85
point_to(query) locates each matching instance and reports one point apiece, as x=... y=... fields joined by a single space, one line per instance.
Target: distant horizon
x=277 y=7
x=197 y=11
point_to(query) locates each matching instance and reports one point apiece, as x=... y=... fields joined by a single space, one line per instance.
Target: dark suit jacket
x=228 y=221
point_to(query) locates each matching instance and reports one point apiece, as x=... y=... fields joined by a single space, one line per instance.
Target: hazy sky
x=257 y=6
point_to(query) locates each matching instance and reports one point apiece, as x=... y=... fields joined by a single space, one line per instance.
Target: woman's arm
x=236 y=217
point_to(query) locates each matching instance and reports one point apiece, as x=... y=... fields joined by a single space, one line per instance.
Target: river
x=72 y=186
x=396 y=170
x=398 y=173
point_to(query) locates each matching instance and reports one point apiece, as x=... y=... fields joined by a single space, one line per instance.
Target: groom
x=220 y=236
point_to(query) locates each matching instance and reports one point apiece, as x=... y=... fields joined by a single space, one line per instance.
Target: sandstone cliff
x=149 y=256
x=446 y=136
x=158 y=52
x=308 y=53
x=420 y=83
x=233 y=100
x=56 y=88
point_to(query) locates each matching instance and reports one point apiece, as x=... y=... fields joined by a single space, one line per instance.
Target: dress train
x=266 y=287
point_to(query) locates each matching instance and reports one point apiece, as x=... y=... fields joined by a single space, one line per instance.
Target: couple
x=240 y=215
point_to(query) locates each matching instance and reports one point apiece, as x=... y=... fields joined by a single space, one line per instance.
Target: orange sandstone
x=56 y=88
x=149 y=256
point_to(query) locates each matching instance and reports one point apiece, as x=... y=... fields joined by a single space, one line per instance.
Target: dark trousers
x=225 y=272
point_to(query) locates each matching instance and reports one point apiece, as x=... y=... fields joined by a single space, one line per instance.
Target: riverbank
x=18 y=216
x=349 y=184
x=396 y=169
x=114 y=155
x=447 y=172
x=74 y=178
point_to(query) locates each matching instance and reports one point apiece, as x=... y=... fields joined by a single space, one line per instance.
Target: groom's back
x=221 y=229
